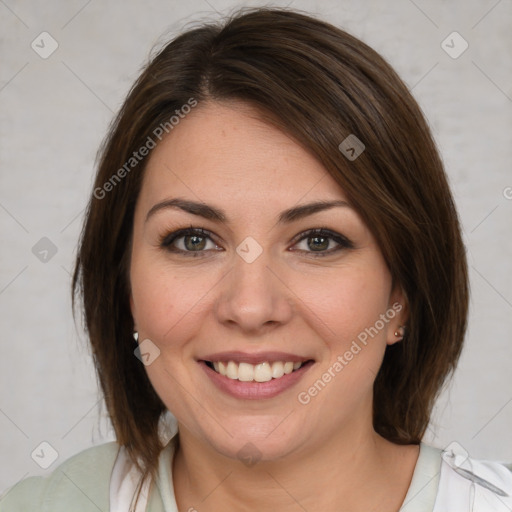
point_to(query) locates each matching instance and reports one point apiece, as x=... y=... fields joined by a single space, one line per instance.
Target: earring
x=400 y=332
x=136 y=335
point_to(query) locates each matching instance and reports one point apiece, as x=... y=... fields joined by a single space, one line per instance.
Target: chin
x=253 y=440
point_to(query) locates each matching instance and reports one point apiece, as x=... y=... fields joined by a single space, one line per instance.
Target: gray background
x=55 y=112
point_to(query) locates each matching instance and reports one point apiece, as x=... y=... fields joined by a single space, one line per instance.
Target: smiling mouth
x=261 y=372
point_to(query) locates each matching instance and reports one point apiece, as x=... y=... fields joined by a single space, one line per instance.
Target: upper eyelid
x=191 y=230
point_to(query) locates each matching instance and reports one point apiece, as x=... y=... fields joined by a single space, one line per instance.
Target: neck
x=356 y=471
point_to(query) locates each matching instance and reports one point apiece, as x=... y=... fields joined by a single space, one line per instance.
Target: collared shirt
x=103 y=478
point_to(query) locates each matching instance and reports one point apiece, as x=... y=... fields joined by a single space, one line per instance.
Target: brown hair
x=318 y=84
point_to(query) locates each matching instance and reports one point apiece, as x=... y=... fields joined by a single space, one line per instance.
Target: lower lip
x=255 y=390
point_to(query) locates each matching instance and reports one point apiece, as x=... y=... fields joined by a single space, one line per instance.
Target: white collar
x=470 y=485
x=125 y=478
x=463 y=484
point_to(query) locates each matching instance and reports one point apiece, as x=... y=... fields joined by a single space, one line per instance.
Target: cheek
x=155 y=308
x=166 y=301
x=345 y=311
x=345 y=303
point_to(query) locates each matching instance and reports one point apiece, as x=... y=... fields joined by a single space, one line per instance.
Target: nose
x=253 y=297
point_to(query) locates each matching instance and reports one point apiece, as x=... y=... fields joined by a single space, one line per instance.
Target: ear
x=399 y=305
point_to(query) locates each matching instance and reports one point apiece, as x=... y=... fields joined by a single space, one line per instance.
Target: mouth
x=261 y=372
x=254 y=376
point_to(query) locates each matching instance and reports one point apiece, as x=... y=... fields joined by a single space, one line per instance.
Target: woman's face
x=251 y=290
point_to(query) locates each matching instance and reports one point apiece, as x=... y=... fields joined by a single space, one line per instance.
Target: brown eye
x=318 y=243
x=322 y=242
x=194 y=242
x=190 y=242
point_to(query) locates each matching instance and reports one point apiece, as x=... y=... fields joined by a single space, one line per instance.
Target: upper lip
x=254 y=358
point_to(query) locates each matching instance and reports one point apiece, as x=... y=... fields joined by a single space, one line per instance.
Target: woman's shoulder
x=468 y=483
x=79 y=483
x=473 y=484
x=450 y=479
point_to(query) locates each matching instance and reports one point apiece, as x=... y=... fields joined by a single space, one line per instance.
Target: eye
x=322 y=242
x=189 y=241
x=195 y=241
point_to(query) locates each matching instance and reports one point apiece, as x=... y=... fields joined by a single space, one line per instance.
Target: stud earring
x=399 y=333
x=136 y=335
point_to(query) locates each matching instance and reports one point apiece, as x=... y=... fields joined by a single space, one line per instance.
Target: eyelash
x=167 y=240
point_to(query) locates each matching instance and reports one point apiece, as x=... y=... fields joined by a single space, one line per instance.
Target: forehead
x=226 y=153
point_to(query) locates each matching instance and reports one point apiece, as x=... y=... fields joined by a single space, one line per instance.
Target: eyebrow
x=218 y=215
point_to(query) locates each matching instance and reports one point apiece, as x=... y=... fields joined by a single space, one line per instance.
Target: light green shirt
x=82 y=484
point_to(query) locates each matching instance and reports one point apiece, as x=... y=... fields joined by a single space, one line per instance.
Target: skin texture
x=285 y=300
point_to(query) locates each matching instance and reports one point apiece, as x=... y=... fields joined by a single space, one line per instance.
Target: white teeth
x=277 y=369
x=262 y=372
x=245 y=372
x=232 y=370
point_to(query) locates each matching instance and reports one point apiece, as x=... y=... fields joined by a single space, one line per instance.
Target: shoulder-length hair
x=320 y=85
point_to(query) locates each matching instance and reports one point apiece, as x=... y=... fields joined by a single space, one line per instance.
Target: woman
x=271 y=253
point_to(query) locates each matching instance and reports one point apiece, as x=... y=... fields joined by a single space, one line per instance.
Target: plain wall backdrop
x=55 y=112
